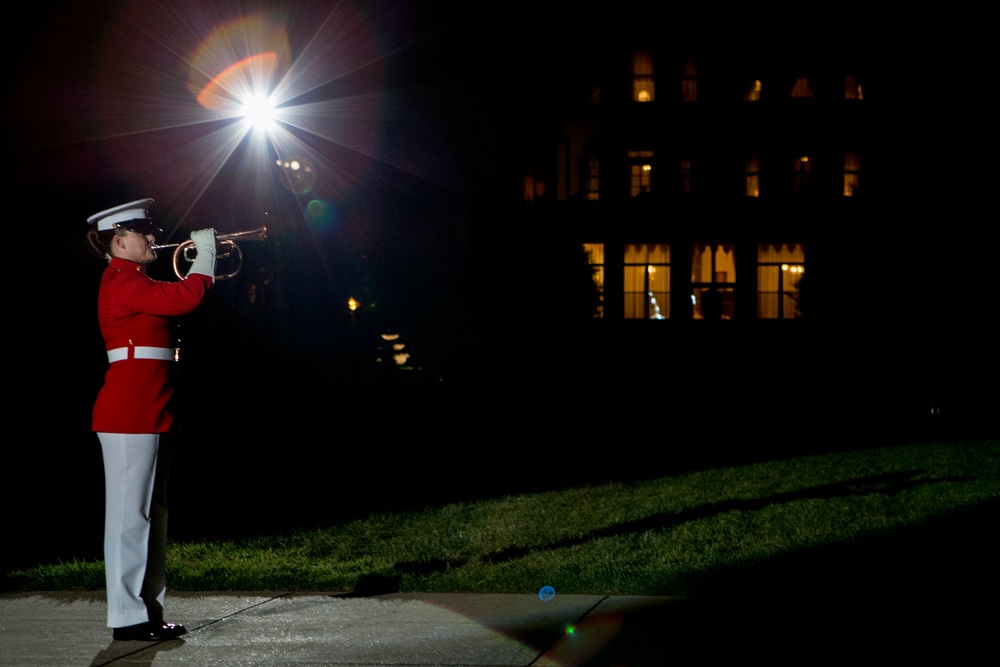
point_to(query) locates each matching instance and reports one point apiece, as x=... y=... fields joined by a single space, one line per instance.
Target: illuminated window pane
x=752 y=180
x=534 y=188
x=778 y=253
x=752 y=93
x=640 y=173
x=852 y=173
x=595 y=256
x=802 y=88
x=713 y=262
x=642 y=77
x=647 y=281
x=713 y=280
x=713 y=302
x=801 y=174
x=852 y=89
x=642 y=179
x=780 y=268
x=593 y=179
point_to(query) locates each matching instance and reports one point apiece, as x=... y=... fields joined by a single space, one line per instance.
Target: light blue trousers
x=135 y=526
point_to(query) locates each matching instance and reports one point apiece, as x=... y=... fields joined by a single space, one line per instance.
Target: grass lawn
x=906 y=515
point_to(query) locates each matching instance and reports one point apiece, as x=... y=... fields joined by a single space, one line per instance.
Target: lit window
x=593 y=179
x=852 y=89
x=647 y=281
x=752 y=177
x=534 y=188
x=642 y=77
x=852 y=174
x=713 y=280
x=752 y=93
x=780 y=269
x=641 y=173
x=595 y=256
x=802 y=88
x=689 y=82
x=801 y=174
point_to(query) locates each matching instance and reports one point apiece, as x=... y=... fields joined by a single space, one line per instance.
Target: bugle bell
x=225 y=246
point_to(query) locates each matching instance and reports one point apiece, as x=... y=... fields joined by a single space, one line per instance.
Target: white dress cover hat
x=115 y=217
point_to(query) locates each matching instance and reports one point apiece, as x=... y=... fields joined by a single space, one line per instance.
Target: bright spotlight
x=259 y=112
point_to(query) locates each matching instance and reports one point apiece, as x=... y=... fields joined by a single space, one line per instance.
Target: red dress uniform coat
x=134 y=311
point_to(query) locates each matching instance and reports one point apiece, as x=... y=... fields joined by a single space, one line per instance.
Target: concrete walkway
x=466 y=630
x=65 y=629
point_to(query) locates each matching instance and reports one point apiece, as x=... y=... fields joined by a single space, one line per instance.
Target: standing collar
x=126 y=265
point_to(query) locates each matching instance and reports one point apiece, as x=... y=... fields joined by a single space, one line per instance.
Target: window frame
x=787 y=258
x=595 y=257
x=723 y=282
x=643 y=77
x=659 y=263
x=641 y=165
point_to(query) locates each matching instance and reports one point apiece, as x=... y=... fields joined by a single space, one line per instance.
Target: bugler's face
x=135 y=247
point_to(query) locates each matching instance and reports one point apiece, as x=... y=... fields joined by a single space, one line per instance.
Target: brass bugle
x=225 y=246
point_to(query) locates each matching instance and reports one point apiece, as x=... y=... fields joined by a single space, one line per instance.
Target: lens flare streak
x=228 y=113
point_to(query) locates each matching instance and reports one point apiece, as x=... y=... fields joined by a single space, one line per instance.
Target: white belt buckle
x=144 y=352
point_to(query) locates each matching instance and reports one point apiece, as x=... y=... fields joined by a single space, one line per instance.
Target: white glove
x=204 y=261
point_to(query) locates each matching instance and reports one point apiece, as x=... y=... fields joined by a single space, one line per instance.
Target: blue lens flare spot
x=319 y=213
x=546 y=593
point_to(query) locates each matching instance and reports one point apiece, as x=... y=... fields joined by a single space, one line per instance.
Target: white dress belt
x=142 y=352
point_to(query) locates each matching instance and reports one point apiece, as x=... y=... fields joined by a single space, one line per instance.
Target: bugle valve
x=225 y=246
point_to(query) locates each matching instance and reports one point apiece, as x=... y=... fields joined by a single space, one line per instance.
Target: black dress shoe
x=149 y=632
